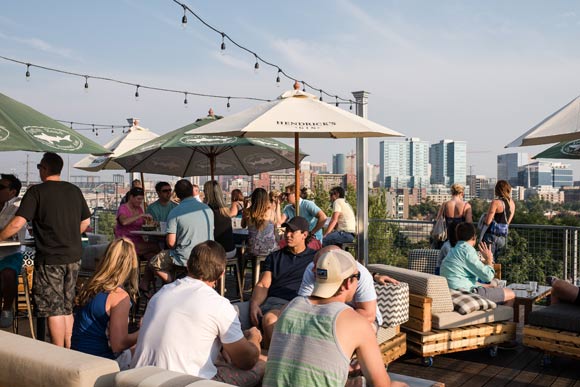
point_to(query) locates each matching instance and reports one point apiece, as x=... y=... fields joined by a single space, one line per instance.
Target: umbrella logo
x=56 y=138
x=148 y=146
x=4 y=134
x=572 y=148
x=195 y=139
x=258 y=160
x=268 y=143
x=305 y=125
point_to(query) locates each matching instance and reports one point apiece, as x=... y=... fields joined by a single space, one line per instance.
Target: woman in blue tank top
x=102 y=313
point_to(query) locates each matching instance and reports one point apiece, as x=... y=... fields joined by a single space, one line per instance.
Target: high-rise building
x=404 y=164
x=339 y=164
x=544 y=173
x=448 y=160
x=508 y=166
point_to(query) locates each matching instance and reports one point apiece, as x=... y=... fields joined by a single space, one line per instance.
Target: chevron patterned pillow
x=393 y=303
x=466 y=302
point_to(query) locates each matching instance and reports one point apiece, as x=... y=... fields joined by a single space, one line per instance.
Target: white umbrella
x=563 y=125
x=134 y=137
x=295 y=114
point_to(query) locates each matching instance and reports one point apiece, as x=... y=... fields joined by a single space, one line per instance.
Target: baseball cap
x=332 y=268
x=297 y=223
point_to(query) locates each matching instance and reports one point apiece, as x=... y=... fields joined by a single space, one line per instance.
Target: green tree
x=106 y=223
x=425 y=210
x=321 y=197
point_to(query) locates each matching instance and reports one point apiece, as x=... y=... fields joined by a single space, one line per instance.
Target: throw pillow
x=465 y=302
x=393 y=303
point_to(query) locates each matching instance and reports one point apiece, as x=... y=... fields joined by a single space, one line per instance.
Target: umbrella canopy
x=178 y=153
x=119 y=145
x=563 y=150
x=23 y=128
x=296 y=114
x=563 y=125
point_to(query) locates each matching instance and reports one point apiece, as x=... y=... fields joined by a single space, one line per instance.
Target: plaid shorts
x=53 y=288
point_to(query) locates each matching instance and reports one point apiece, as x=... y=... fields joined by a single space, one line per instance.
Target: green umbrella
x=178 y=153
x=563 y=150
x=23 y=128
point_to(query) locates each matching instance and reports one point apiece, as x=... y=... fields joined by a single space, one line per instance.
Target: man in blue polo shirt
x=308 y=210
x=188 y=224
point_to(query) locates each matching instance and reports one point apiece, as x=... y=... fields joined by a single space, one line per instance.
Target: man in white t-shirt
x=342 y=226
x=188 y=327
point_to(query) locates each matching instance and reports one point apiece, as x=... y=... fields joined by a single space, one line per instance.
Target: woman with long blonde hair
x=102 y=314
x=500 y=214
x=260 y=219
x=223 y=231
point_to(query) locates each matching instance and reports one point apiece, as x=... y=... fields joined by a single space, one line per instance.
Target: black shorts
x=54 y=288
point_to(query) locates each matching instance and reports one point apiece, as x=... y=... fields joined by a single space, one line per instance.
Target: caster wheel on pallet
x=427 y=361
x=546 y=360
x=493 y=351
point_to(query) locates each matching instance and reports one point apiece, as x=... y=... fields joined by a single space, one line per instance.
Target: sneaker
x=6 y=318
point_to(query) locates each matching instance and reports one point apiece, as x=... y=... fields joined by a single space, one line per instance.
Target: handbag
x=439 y=232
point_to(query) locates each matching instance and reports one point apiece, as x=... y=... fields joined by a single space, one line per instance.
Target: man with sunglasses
x=161 y=208
x=313 y=339
x=10 y=257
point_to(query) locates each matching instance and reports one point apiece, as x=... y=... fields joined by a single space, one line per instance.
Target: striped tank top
x=304 y=350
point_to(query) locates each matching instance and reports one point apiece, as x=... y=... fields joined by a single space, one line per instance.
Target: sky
x=481 y=72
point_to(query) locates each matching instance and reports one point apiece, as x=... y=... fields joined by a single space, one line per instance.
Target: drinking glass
x=532 y=287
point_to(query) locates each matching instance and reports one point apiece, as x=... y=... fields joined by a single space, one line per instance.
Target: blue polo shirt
x=308 y=210
x=287 y=270
x=192 y=223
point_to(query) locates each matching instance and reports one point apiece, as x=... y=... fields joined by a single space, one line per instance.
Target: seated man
x=365 y=297
x=563 y=291
x=462 y=267
x=281 y=276
x=342 y=224
x=161 y=208
x=313 y=340
x=187 y=324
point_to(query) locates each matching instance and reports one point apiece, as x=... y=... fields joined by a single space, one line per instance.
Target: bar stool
x=232 y=259
x=22 y=304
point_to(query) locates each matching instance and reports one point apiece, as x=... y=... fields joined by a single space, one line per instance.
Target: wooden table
x=156 y=234
x=527 y=300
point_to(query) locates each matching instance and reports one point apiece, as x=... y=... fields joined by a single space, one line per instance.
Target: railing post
x=565 y=254
x=575 y=256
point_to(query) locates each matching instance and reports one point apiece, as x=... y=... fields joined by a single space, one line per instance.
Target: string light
x=137 y=93
x=223 y=46
x=86 y=83
x=184 y=18
x=336 y=103
x=112 y=129
x=278 y=78
x=350 y=105
x=185 y=100
x=93 y=128
x=28 y=72
x=320 y=95
x=257 y=64
x=304 y=86
x=228 y=105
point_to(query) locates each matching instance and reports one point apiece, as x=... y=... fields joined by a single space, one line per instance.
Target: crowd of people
x=310 y=296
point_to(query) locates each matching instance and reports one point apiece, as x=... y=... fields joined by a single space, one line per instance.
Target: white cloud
x=39 y=44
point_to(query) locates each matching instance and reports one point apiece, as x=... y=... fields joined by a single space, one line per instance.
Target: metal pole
x=575 y=257
x=362 y=207
x=566 y=231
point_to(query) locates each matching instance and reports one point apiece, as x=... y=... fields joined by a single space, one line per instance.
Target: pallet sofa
x=555 y=330
x=434 y=328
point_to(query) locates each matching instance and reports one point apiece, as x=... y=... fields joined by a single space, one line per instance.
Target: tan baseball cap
x=332 y=268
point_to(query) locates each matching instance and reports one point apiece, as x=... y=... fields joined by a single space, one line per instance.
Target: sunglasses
x=357 y=276
x=166 y=190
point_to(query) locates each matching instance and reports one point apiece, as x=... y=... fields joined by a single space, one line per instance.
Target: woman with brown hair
x=499 y=216
x=237 y=205
x=260 y=219
x=223 y=232
x=101 y=318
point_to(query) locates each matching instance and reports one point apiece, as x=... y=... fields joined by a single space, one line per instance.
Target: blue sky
x=483 y=72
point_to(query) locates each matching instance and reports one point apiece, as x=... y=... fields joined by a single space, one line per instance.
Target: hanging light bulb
x=336 y=103
x=112 y=129
x=256 y=65
x=223 y=46
x=93 y=128
x=184 y=18
x=97 y=133
x=320 y=95
x=351 y=104
x=228 y=104
x=86 y=84
x=28 y=72
x=278 y=78
x=304 y=86
x=185 y=100
x=137 y=93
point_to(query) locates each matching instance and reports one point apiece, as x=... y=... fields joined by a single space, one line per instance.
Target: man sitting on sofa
x=187 y=324
x=462 y=267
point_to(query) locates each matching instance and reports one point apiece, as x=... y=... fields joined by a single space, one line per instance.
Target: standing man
x=59 y=214
x=161 y=208
x=342 y=219
x=188 y=326
x=313 y=340
x=188 y=224
x=308 y=210
x=10 y=257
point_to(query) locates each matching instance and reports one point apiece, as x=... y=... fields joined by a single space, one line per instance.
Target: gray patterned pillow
x=465 y=302
x=393 y=302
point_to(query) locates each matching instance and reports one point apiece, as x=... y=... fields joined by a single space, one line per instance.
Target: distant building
x=279 y=181
x=326 y=181
x=404 y=164
x=508 y=166
x=397 y=202
x=339 y=164
x=545 y=193
x=571 y=194
x=477 y=184
x=544 y=173
x=448 y=160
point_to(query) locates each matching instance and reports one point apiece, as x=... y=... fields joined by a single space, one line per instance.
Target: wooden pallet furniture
x=555 y=330
x=435 y=329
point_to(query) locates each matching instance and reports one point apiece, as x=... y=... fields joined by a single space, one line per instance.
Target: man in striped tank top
x=313 y=342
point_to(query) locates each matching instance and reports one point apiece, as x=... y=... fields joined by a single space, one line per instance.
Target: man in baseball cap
x=304 y=349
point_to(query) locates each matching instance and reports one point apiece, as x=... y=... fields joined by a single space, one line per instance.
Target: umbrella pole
x=143 y=182
x=297 y=172
x=211 y=165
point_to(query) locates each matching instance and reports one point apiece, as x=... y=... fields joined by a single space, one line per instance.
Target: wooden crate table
x=527 y=299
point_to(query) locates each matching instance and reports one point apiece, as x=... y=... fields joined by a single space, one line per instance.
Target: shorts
x=494 y=294
x=54 y=288
x=273 y=303
x=228 y=373
x=498 y=244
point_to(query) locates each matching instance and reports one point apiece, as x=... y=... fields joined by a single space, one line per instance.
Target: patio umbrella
x=135 y=136
x=296 y=114
x=563 y=125
x=23 y=128
x=563 y=150
x=178 y=153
